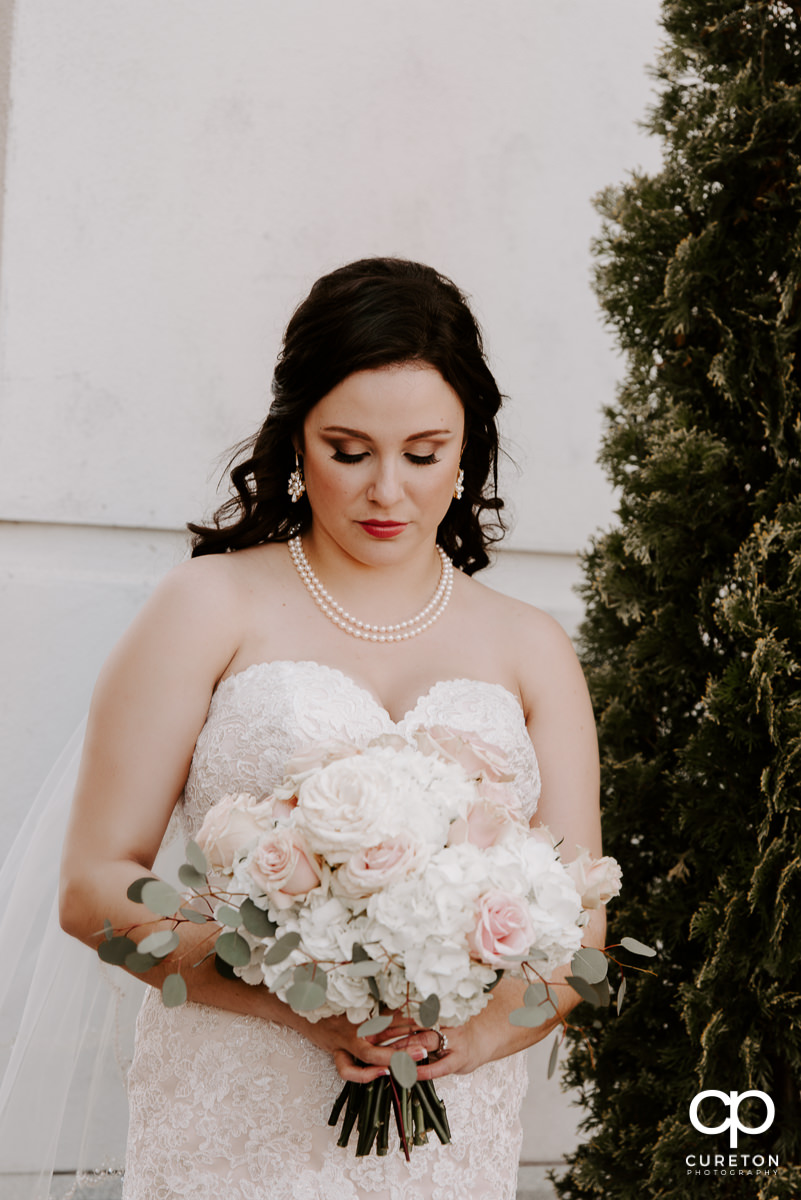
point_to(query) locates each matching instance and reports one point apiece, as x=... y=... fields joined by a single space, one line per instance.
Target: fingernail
x=417 y=1054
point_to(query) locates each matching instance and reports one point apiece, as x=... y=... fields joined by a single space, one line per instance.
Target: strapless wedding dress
x=227 y=1107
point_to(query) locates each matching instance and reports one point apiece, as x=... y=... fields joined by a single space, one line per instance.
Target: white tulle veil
x=66 y=1020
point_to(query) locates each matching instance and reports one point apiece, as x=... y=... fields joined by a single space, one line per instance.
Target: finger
x=426 y=1039
x=437 y=1068
x=349 y=1070
x=382 y=1055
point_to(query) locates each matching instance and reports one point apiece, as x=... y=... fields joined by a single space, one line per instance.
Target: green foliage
x=692 y=641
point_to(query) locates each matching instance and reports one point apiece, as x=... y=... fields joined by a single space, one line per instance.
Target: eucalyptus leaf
x=553 y=1057
x=311 y=973
x=529 y=1018
x=535 y=994
x=403 y=1069
x=429 y=1011
x=191 y=914
x=590 y=964
x=374 y=1025
x=160 y=943
x=220 y=966
x=173 y=991
x=196 y=858
x=108 y=930
x=139 y=963
x=372 y=987
x=280 y=949
x=191 y=878
x=358 y=953
x=302 y=997
x=255 y=919
x=115 y=950
x=584 y=989
x=635 y=947
x=488 y=987
x=226 y=914
x=232 y=949
x=135 y=890
x=161 y=898
x=621 y=992
x=603 y=992
x=361 y=969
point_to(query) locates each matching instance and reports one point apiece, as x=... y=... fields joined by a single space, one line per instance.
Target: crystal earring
x=458 y=489
x=296 y=486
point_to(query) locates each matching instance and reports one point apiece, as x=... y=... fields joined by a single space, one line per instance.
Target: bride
x=322 y=603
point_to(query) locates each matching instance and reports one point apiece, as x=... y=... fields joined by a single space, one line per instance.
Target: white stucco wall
x=177 y=174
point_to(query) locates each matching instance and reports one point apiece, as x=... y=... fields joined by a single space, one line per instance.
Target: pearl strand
x=399 y=632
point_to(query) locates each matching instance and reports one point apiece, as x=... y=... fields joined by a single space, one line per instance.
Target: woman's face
x=380 y=459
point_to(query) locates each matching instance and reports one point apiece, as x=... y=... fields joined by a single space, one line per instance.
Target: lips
x=383 y=529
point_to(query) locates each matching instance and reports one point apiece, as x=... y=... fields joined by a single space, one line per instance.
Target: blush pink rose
x=283 y=868
x=502 y=794
x=503 y=928
x=370 y=870
x=485 y=825
x=597 y=880
x=472 y=753
x=229 y=825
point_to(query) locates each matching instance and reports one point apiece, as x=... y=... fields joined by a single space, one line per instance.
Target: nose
x=386 y=487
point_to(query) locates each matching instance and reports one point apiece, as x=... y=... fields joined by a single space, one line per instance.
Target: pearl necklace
x=361 y=629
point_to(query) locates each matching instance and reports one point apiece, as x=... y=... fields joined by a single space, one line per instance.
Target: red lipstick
x=383 y=529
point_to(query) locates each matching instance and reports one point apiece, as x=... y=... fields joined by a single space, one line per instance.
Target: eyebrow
x=414 y=437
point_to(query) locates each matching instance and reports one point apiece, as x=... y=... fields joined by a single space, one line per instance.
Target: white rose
x=346 y=805
x=369 y=870
x=230 y=825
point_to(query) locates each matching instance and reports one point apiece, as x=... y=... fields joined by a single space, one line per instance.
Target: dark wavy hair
x=373 y=313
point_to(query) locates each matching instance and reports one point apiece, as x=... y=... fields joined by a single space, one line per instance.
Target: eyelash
x=418 y=460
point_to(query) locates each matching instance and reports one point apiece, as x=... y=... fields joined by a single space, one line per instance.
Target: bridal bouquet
x=392 y=876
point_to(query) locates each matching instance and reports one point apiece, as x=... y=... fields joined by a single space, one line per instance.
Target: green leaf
x=140 y=963
x=403 y=1068
x=488 y=987
x=302 y=997
x=603 y=992
x=535 y=994
x=358 y=953
x=280 y=950
x=160 y=943
x=233 y=949
x=310 y=973
x=372 y=987
x=191 y=914
x=362 y=968
x=192 y=878
x=108 y=930
x=226 y=914
x=116 y=949
x=590 y=964
x=553 y=1057
x=429 y=1011
x=161 y=898
x=173 y=991
x=135 y=890
x=374 y=1025
x=196 y=858
x=621 y=992
x=220 y=966
x=530 y=1018
x=635 y=947
x=255 y=919
x=584 y=989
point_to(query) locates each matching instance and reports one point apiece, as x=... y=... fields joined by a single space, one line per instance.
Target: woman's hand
x=362 y=1059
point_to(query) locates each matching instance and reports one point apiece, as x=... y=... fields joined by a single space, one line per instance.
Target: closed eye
x=422 y=460
x=341 y=456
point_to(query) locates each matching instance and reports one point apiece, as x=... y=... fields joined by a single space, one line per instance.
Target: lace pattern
x=233 y=1106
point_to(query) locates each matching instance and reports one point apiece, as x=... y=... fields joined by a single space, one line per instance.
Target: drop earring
x=296 y=486
x=458 y=490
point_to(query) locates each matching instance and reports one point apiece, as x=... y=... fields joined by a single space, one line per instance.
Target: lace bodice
x=234 y=1106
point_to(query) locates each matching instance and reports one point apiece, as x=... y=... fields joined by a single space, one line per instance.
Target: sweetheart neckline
x=310 y=662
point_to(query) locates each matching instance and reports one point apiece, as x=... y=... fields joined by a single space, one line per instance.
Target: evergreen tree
x=692 y=640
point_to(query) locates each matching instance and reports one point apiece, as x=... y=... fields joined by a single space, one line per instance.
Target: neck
x=377 y=592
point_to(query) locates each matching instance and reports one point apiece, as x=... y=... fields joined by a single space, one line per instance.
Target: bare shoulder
x=527 y=636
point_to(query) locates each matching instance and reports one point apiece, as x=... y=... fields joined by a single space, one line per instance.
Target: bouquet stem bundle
x=418 y=1111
